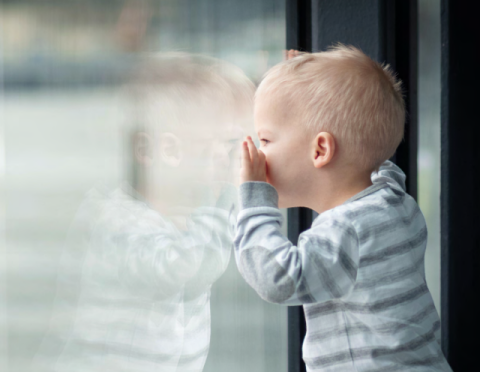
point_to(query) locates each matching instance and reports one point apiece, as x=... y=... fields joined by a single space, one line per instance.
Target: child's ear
x=170 y=149
x=143 y=148
x=323 y=149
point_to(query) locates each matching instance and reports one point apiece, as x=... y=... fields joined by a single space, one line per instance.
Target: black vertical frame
x=460 y=184
x=387 y=31
x=401 y=51
x=299 y=37
x=299 y=219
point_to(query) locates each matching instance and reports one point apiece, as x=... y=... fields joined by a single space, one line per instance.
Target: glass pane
x=429 y=137
x=117 y=188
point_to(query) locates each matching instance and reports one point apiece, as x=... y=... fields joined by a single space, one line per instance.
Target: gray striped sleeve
x=257 y=194
x=323 y=266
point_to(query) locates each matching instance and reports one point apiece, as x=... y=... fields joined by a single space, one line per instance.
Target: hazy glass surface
x=116 y=199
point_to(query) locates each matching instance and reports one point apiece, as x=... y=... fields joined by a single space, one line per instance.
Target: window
x=62 y=134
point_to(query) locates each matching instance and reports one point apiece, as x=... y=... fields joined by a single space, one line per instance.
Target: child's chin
x=283 y=206
x=283 y=203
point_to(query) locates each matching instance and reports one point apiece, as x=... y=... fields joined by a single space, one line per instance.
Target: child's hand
x=254 y=165
x=292 y=53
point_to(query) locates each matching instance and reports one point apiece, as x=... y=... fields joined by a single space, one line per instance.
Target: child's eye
x=264 y=140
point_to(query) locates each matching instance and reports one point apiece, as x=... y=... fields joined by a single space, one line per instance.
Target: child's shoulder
x=385 y=209
x=376 y=199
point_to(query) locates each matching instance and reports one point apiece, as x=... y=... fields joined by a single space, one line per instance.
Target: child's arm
x=323 y=265
x=390 y=173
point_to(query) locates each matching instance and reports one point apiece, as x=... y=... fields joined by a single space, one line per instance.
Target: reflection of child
x=327 y=123
x=135 y=279
x=134 y=290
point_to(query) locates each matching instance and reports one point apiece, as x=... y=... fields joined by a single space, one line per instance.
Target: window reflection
x=121 y=122
x=136 y=272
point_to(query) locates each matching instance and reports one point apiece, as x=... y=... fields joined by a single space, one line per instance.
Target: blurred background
x=62 y=63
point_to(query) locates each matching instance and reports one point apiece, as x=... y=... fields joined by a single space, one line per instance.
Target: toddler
x=328 y=123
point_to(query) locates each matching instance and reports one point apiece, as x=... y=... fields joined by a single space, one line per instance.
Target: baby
x=328 y=123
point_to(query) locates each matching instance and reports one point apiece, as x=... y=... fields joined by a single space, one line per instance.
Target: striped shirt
x=358 y=272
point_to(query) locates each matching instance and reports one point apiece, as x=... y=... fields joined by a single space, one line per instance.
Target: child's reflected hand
x=254 y=165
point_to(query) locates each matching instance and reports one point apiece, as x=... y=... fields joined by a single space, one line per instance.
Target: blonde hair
x=344 y=92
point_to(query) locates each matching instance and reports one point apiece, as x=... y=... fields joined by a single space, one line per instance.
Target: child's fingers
x=245 y=155
x=253 y=150
x=292 y=53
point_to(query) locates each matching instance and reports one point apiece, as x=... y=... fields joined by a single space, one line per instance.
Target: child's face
x=286 y=147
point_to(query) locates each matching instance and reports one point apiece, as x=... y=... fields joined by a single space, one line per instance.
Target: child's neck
x=338 y=189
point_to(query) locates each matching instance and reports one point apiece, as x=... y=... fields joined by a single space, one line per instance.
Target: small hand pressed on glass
x=254 y=164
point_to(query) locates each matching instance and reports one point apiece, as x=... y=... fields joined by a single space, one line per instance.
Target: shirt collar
x=369 y=190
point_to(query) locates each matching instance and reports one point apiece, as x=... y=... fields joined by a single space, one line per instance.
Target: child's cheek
x=268 y=174
x=271 y=174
